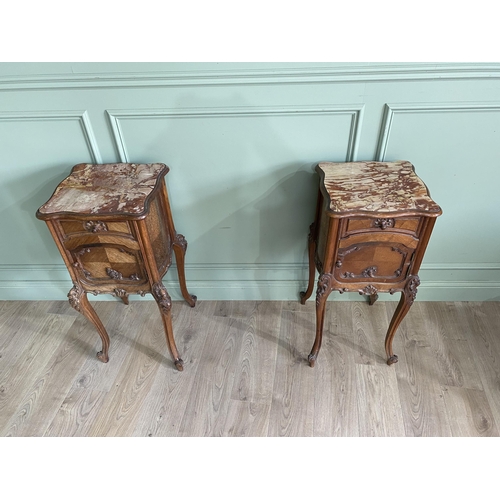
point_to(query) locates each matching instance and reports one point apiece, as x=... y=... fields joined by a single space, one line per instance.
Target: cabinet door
x=386 y=262
x=102 y=263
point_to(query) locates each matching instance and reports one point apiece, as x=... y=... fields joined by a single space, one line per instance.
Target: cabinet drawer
x=407 y=225
x=72 y=228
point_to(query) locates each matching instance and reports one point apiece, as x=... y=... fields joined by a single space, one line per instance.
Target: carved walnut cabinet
x=113 y=226
x=372 y=225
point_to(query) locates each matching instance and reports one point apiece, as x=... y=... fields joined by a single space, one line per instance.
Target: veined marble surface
x=105 y=189
x=371 y=186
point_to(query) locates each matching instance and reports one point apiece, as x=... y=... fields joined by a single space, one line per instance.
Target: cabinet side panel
x=159 y=235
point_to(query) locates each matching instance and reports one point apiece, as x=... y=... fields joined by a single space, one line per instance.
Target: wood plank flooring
x=246 y=371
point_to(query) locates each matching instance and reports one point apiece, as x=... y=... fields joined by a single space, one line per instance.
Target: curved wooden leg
x=312 y=269
x=165 y=305
x=79 y=301
x=180 y=246
x=408 y=296
x=323 y=291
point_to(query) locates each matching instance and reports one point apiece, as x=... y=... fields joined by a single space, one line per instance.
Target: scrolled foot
x=102 y=357
x=194 y=298
x=303 y=298
x=312 y=360
x=393 y=359
x=179 y=364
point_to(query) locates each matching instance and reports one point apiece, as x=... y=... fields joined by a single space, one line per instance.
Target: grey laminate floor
x=246 y=372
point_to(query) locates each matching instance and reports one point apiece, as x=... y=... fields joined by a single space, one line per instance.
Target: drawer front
x=404 y=225
x=386 y=262
x=99 y=263
x=72 y=228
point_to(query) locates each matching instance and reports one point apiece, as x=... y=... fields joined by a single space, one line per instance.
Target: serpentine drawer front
x=114 y=229
x=372 y=225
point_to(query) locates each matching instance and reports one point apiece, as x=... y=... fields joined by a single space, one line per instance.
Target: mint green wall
x=241 y=141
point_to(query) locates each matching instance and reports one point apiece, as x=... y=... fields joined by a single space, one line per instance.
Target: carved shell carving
x=95 y=226
x=368 y=290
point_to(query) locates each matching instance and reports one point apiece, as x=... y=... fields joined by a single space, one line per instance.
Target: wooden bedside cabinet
x=372 y=225
x=113 y=226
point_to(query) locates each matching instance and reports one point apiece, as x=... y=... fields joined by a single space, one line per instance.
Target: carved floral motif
x=112 y=273
x=116 y=275
x=74 y=296
x=383 y=223
x=369 y=272
x=161 y=296
x=411 y=289
x=181 y=241
x=324 y=287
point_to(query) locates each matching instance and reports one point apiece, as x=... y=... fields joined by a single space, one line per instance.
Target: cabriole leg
x=312 y=269
x=323 y=291
x=165 y=305
x=408 y=296
x=180 y=246
x=79 y=301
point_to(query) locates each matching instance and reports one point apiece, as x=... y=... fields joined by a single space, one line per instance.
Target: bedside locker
x=372 y=225
x=114 y=229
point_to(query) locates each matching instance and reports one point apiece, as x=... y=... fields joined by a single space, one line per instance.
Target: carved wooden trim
x=369 y=272
x=74 y=296
x=82 y=251
x=411 y=289
x=120 y=292
x=347 y=275
x=116 y=275
x=112 y=273
x=95 y=226
x=312 y=231
x=161 y=296
x=368 y=290
x=324 y=286
x=181 y=241
x=130 y=252
x=339 y=262
x=396 y=249
x=383 y=223
x=318 y=263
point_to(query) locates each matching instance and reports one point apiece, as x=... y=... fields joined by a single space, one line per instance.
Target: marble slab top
x=370 y=186
x=105 y=189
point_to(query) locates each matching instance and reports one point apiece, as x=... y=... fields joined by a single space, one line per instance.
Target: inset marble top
x=105 y=189
x=370 y=186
